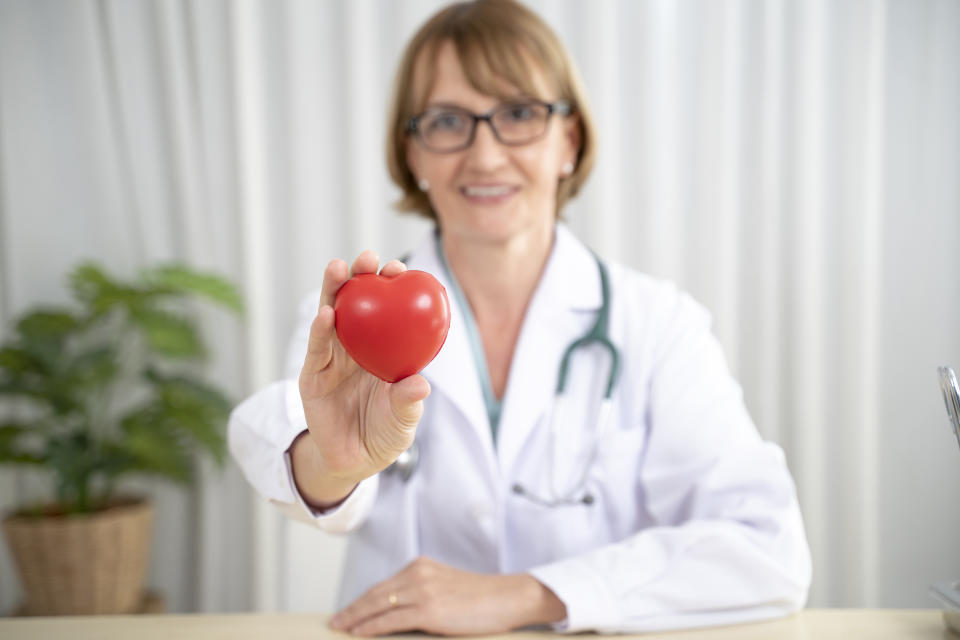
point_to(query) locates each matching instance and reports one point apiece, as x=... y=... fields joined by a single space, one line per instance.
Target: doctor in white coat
x=658 y=508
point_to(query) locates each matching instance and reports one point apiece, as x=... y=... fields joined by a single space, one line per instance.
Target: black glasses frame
x=559 y=107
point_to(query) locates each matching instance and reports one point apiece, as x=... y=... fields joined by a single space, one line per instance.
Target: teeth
x=487 y=192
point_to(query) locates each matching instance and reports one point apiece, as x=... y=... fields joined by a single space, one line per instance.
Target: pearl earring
x=567 y=168
x=423 y=184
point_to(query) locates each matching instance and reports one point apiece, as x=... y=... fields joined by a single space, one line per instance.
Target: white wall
x=794 y=164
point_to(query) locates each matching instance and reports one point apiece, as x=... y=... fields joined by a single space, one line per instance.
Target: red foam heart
x=392 y=326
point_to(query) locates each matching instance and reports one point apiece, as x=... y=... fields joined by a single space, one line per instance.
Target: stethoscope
x=408 y=461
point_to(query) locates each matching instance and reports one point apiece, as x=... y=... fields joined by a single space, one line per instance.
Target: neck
x=499 y=278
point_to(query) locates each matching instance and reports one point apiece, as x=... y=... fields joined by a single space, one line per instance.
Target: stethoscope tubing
x=598 y=334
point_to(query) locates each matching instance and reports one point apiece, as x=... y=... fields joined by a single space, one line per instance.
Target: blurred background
x=794 y=164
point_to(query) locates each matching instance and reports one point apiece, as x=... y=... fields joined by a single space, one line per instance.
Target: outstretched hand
x=358 y=423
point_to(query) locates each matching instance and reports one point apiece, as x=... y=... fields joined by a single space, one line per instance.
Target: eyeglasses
x=449 y=129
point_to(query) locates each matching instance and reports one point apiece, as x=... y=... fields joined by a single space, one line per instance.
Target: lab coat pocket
x=594 y=502
x=615 y=480
x=618 y=458
x=621 y=449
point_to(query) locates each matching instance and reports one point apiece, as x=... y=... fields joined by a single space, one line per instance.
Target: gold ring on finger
x=392 y=599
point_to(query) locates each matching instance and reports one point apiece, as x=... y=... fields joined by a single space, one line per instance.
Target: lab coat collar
x=569 y=286
x=571 y=275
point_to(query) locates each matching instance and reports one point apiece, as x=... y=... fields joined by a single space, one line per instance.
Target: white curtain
x=794 y=164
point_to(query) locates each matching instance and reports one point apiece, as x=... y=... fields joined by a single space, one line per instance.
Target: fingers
x=336 y=273
x=320 y=346
x=366 y=262
x=411 y=389
x=320 y=342
x=406 y=399
x=392 y=268
x=381 y=599
x=393 y=621
x=333 y=278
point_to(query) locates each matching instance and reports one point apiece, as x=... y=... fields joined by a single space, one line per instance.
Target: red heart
x=392 y=326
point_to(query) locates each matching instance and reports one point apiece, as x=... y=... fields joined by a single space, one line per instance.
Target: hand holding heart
x=393 y=326
x=358 y=423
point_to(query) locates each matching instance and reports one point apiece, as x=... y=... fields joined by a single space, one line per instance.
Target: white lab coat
x=695 y=519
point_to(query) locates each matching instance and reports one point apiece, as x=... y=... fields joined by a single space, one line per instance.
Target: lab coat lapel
x=564 y=303
x=453 y=372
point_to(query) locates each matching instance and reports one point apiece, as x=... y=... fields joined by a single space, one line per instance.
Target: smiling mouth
x=488 y=191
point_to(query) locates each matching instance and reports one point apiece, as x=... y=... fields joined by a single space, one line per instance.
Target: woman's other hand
x=358 y=424
x=433 y=597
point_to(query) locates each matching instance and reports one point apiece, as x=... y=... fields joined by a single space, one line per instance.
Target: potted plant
x=92 y=393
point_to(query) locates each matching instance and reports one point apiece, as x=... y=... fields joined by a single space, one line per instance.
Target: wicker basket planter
x=83 y=564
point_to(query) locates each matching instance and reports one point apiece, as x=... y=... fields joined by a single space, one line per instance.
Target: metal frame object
x=951 y=398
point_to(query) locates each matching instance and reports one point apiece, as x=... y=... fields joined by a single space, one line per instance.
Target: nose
x=486 y=152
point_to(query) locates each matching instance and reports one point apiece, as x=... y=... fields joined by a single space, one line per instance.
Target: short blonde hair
x=495 y=40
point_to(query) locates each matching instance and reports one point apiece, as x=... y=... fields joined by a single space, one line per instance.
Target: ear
x=413 y=159
x=574 y=137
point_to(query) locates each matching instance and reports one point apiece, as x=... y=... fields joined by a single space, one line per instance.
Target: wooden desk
x=812 y=624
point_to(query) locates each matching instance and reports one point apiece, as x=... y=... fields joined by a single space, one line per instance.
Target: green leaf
x=88 y=281
x=155 y=446
x=10 y=450
x=200 y=411
x=91 y=369
x=17 y=361
x=27 y=373
x=190 y=391
x=169 y=334
x=22 y=458
x=38 y=395
x=182 y=279
x=195 y=408
x=116 y=460
x=73 y=455
x=92 y=286
x=19 y=390
x=44 y=333
x=10 y=432
x=206 y=431
x=47 y=325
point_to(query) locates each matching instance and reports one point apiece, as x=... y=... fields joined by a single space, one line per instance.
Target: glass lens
x=445 y=129
x=522 y=122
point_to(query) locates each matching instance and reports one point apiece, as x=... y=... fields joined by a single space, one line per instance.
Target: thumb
x=406 y=399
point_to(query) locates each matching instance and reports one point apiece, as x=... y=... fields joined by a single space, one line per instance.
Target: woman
x=660 y=509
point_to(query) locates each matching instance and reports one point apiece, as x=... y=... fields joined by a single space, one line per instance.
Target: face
x=491 y=192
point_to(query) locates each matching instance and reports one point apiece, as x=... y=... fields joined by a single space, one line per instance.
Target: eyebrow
x=442 y=104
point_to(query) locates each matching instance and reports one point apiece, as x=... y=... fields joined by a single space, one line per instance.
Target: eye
x=520 y=112
x=446 y=121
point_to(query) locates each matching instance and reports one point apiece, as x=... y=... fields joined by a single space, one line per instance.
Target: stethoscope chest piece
x=406 y=463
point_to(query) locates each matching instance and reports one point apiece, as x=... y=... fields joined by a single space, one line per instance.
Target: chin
x=493 y=223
